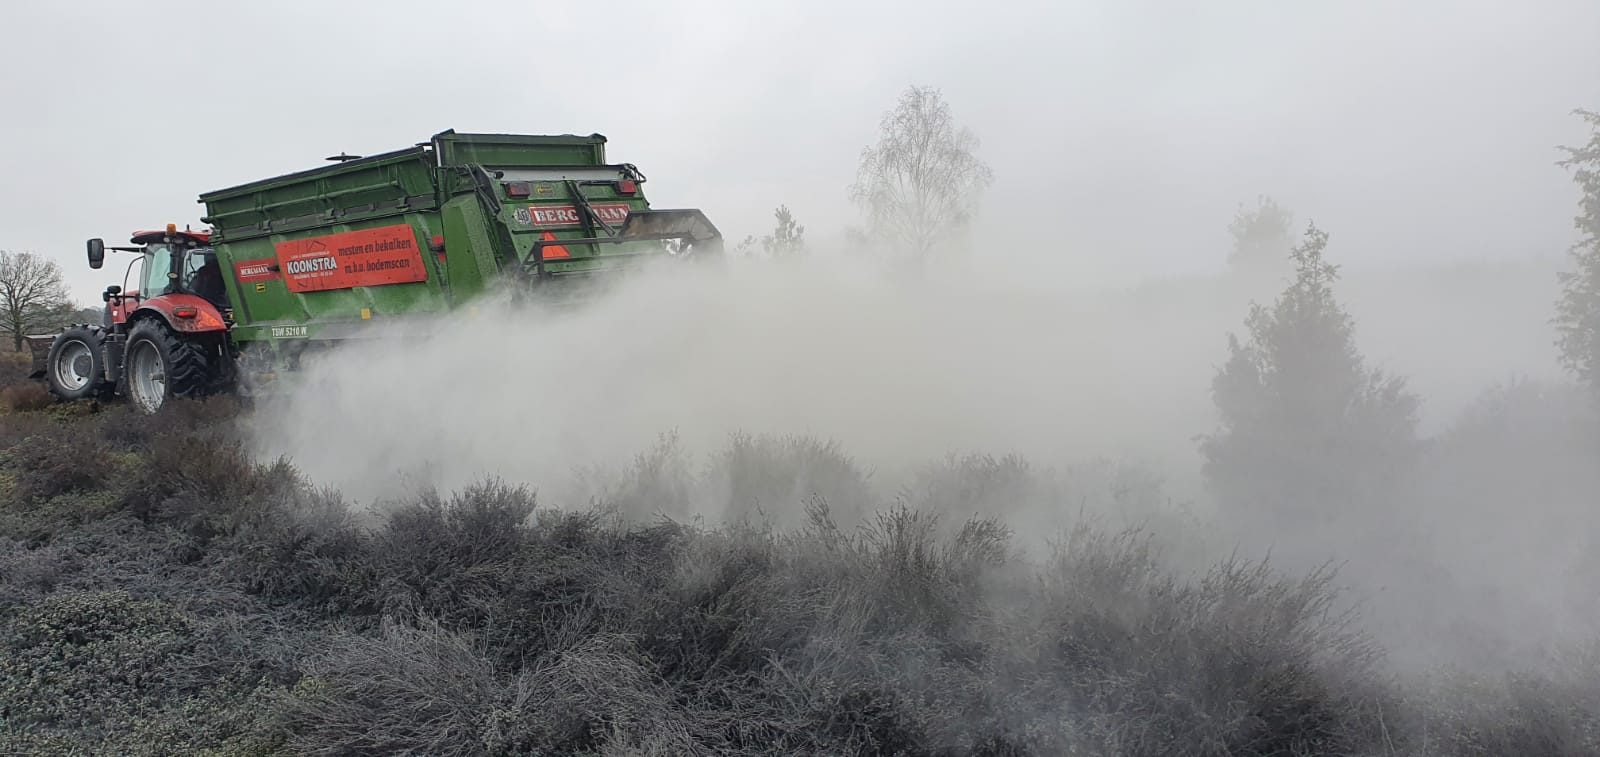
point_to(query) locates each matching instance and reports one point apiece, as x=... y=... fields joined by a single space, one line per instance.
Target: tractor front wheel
x=159 y=365
x=76 y=366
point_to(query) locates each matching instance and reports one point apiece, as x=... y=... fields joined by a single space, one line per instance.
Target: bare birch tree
x=922 y=182
x=32 y=295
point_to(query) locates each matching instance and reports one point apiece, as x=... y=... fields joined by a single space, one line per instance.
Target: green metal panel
x=375 y=187
x=469 y=244
x=510 y=150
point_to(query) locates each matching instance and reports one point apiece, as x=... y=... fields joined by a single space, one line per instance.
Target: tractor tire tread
x=190 y=371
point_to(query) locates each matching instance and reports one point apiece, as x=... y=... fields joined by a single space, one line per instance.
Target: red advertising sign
x=370 y=257
x=613 y=213
x=252 y=271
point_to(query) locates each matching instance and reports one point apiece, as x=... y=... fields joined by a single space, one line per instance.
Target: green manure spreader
x=305 y=261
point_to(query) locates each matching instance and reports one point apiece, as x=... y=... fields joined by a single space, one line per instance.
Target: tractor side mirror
x=97 y=253
x=111 y=291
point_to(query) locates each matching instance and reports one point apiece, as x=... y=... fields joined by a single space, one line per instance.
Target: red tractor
x=163 y=337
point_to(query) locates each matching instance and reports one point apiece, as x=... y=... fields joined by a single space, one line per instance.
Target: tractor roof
x=147 y=237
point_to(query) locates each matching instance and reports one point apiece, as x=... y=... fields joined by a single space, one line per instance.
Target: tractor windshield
x=157 y=267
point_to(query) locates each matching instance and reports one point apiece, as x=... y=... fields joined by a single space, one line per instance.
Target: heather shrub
x=1553 y=710
x=718 y=609
x=14 y=369
x=114 y=645
x=58 y=462
x=22 y=398
x=1043 y=502
x=53 y=476
x=187 y=598
x=432 y=691
x=762 y=478
x=446 y=558
x=1236 y=661
x=798 y=643
x=487 y=559
x=27 y=572
x=77 y=656
x=209 y=487
x=771 y=477
x=658 y=481
x=304 y=550
x=980 y=484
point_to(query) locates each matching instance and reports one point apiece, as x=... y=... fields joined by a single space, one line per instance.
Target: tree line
x=1302 y=418
x=919 y=186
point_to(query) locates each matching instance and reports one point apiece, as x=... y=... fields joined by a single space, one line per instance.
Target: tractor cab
x=170 y=262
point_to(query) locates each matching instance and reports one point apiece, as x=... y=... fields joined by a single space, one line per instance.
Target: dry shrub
x=598 y=690
x=479 y=623
x=431 y=691
x=1554 y=711
x=659 y=481
x=306 y=551
x=57 y=461
x=26 y=397
x=487 y=560
x=905 y=569
x=15 y=366
x=208 y=486
x=446 y=558
x=825 y=640
x=775 y=475
x=423 y=691
x=1240 y=661
x=28 y=572
x=77 y=654
x=979 y=484
x=761 y=477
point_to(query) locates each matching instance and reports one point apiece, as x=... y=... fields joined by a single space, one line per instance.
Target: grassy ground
x=162 y=593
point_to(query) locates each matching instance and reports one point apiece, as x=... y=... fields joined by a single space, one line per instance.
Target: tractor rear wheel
x=158 y=365
x=76 y=366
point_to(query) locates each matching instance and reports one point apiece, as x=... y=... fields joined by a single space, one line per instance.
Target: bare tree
x=921 y=183
x=1578 y=310
x=32 y=296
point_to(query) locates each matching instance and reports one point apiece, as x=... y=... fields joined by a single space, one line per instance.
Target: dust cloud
x=901 y=371
x=896 y=368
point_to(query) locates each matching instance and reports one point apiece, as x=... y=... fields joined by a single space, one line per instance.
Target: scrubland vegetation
x=164 y=593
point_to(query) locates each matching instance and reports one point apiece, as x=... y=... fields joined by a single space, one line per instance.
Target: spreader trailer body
x=314 y=258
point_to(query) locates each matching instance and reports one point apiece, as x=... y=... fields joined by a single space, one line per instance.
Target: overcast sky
x=1123 y=134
